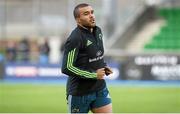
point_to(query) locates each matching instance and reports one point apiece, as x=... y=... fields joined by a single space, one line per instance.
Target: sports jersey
x=83 y=55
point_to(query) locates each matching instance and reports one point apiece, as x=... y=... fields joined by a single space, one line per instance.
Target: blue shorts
x=82 y=104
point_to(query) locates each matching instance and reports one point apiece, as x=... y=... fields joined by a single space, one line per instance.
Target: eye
x=86 y=13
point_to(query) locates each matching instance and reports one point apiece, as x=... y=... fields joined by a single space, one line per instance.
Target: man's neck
x=90 y=29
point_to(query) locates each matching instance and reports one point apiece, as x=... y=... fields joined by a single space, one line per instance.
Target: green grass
x=51 y=98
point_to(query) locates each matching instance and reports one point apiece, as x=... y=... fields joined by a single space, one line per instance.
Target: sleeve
x=72 y=47
x=102 y=42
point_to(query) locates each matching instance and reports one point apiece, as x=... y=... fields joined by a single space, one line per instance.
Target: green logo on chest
x=88 y=43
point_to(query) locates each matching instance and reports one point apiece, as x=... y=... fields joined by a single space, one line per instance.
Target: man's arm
x=70 y=55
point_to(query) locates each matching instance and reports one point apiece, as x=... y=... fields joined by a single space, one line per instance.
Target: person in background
x=23 y=50
x=11 y=51
x=44 y=50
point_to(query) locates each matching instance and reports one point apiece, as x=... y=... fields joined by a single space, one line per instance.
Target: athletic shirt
x=83 y=55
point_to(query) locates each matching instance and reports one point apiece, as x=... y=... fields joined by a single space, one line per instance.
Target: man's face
x=86 y=17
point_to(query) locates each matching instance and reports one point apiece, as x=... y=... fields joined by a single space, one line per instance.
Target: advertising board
x=151 y=67
x=45 y=70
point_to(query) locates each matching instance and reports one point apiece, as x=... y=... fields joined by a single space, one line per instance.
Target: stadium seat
x=169 y=36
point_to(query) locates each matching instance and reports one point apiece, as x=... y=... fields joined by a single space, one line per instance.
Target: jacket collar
x=86 y=29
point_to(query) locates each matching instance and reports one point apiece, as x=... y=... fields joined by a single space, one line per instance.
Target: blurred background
x=141 y=41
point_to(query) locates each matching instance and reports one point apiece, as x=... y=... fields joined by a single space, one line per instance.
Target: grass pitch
x=48 y=98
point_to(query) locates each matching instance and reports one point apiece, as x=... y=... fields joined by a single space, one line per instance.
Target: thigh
x=102 y=104
x=78 y=104
x=104 y=109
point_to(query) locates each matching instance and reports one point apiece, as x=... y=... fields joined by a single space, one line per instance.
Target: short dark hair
x=76 y=9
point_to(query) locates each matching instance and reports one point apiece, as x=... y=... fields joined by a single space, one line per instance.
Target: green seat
x=169 y=36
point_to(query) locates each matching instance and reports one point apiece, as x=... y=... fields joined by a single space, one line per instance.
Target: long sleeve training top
x=83 y=55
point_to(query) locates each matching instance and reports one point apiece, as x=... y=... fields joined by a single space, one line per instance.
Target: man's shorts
x=82 y=104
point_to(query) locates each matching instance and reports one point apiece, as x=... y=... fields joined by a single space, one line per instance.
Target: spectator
x=44 y=52
x=23 y=49
x=11 y=51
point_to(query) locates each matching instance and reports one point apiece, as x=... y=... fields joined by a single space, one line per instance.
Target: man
x=84 y=64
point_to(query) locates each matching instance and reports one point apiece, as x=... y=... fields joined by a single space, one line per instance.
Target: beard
x=89 y=24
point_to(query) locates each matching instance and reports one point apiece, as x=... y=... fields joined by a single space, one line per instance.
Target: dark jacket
x=83 y=55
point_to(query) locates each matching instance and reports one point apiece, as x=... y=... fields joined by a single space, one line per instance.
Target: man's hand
x=100 y=73
x=108 y=70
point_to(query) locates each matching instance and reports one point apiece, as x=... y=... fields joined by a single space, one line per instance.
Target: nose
x=92 y=15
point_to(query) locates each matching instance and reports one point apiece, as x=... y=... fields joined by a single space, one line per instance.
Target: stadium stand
x=169 y=36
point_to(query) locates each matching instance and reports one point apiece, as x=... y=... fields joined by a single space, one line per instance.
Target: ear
x=78 y=20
